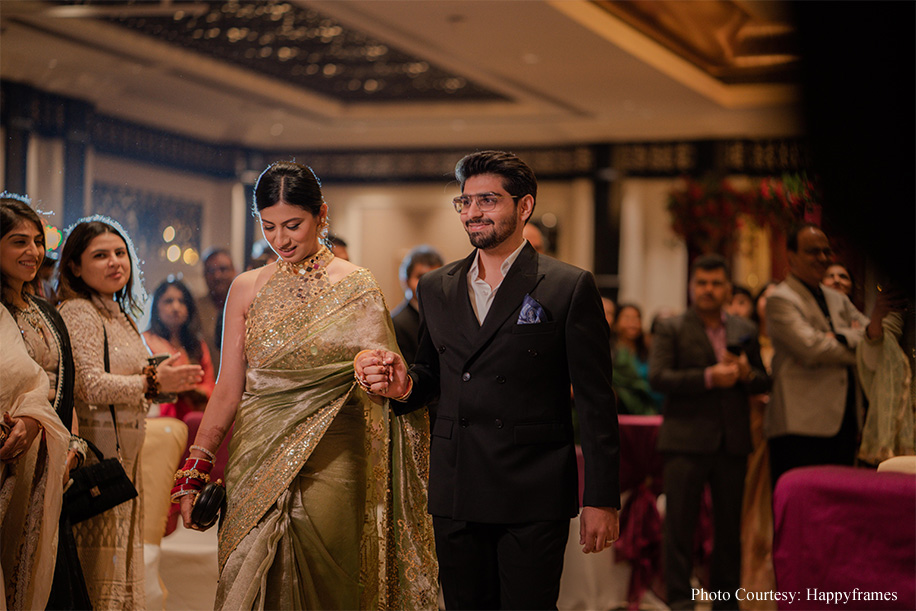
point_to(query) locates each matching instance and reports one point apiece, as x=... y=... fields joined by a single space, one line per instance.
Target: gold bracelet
x=403 y=397
x=209 y=454
x=193 y=474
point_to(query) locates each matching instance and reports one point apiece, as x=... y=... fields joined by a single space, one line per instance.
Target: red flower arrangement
x=705 y=211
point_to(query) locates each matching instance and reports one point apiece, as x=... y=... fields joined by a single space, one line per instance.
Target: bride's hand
x=186 y=503
x=381 y=372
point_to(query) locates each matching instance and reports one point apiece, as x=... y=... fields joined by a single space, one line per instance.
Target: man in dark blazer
x=503 y=334
x=708 y=364
x=406 y=317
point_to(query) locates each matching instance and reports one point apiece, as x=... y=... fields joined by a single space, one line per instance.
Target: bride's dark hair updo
x=289 y=182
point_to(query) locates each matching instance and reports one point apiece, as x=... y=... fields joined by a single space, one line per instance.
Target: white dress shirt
x=482 y=295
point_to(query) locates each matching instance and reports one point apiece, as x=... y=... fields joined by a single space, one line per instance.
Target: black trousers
x=686 y=476
x=500 y=566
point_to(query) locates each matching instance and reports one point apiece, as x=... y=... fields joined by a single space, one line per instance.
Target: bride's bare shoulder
x=247 y=284
x=338 y=269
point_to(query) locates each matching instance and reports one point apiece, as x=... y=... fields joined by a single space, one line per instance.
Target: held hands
x=744 y=366
x=177 y=378
x=598 y=528
x=22 y=433
x=725 y=374
x=381 y=372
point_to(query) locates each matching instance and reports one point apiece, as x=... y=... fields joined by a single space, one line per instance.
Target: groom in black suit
x=503 y=334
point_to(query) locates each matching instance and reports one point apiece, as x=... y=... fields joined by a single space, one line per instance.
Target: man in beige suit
x=814 y=414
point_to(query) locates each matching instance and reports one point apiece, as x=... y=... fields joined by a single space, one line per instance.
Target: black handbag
x=208 y=505
x=99 y=487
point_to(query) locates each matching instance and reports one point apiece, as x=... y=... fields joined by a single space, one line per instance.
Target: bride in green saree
x=326 y=487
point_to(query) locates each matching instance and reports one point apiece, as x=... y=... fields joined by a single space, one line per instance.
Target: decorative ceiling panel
x=295 y=44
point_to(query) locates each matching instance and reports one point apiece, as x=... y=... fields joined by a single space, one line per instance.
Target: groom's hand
x=598 y=528
x=381 y=372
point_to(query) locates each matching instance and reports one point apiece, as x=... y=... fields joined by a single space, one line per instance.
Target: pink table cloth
x=845 y=538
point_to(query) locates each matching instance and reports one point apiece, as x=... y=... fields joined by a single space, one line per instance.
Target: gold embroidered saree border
x=278 y=471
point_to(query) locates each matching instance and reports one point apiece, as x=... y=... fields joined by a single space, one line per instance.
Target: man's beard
x=495 y=235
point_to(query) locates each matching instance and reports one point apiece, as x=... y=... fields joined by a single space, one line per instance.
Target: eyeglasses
x=485 y=201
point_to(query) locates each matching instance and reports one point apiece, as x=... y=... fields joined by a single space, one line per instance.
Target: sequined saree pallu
x=327 y=501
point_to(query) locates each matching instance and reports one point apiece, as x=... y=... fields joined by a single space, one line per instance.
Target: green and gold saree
x=327 y=490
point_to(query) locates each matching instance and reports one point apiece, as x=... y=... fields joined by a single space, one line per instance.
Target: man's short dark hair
x=518 y=179
x=334 y=240
x=420 y=255
x=212 y=252
x=709 y=263
x=794 y=230
x=738 y=289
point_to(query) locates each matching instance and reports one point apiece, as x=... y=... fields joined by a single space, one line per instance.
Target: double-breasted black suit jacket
x=502 y=444
x=700 y=420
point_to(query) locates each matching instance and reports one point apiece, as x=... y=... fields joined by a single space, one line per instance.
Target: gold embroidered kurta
x=327 y=490
x=111 y=543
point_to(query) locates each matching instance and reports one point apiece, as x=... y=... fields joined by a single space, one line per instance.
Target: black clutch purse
x=210 y=502
x=103 y=485
x=97 y=488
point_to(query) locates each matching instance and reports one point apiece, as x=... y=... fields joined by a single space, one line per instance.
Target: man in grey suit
x=504 y=332
x=814 y=414
x=708 y=364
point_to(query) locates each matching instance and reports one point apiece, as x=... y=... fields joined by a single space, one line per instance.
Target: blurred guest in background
x=757 y=510
x=261 y=255
x=33 y=455
x=886 y=371
x=47 y=341
x=338 y=247
x=759 y=317
x=707 y=364
x=741 y=303
x=631 y=364
x=173 y=331
x=406 y=316
x=535 y=237
x=838 y=278
x=46 y=276
x=219 y=272
x=610 y=311
x=815 y=408
x=101 y=294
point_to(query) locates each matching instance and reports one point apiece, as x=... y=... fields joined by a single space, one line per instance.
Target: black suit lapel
x=458 y=301
x=522 y=278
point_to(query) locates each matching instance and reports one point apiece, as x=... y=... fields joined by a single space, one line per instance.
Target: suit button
x=500 y=379
x=463 y=422
x=533 y=352
x=499 y=423
x=466 y=376
x=441 y=349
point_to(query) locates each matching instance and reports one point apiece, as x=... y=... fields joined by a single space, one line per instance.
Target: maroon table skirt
x=847 y=533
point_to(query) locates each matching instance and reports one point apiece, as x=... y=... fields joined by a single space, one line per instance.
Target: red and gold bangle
x=180 y=490
x=192 y=474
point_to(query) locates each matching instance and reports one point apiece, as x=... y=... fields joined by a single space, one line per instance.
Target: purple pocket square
x=532 y=312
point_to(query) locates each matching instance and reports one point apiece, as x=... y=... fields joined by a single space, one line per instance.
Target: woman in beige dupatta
x=326 y=488
x=32 y=465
